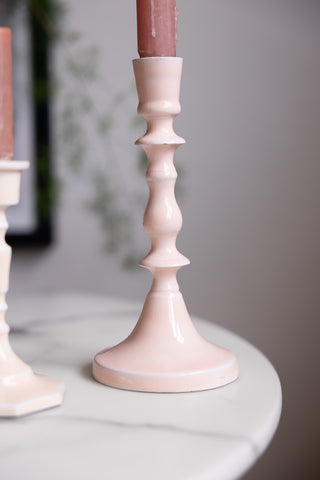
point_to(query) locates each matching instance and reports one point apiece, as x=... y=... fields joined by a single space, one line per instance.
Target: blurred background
x=248 y=186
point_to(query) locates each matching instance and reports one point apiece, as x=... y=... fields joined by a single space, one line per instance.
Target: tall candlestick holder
x=164 y=352
x=21 y=391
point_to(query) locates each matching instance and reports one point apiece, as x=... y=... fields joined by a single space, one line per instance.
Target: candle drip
x=157 y=28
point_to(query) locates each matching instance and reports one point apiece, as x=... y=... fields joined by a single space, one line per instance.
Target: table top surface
x=105 y=433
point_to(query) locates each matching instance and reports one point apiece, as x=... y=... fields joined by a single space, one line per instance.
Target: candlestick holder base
x=164 y=353
x=21 y=391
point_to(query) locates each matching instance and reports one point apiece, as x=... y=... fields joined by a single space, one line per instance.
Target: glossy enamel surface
x=21 y=391
x=164 y=352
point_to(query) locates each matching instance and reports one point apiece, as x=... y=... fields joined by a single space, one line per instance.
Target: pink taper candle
x=157 y=28
x=6 y=104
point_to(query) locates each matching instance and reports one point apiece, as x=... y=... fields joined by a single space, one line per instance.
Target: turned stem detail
x=5 y=261
x=162 y=218
x=10 y=173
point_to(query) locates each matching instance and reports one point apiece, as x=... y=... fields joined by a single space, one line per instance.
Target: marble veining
x=149 y=426
x=101 y=432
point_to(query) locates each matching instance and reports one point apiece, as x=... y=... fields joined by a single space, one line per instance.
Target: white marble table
x=104 y=433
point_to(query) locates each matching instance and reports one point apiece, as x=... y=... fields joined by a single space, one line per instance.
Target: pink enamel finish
x=164 y=352
x=21 y=391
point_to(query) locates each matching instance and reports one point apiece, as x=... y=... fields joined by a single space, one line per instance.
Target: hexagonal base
x=28 y=393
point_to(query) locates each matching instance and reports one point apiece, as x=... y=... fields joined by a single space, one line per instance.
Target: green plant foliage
x=113 y=218
x=80 y=117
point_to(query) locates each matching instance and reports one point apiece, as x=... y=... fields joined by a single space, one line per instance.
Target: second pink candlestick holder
x=21 y=391
x=164 y=352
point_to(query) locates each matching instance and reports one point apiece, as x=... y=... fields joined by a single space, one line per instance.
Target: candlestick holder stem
x=21 y=391
x=164 y=352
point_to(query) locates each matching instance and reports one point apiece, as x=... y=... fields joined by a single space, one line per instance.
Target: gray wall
x=251 y=112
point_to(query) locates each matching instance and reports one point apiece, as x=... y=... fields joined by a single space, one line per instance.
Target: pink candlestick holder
x=164 y=352
x=21 y=391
